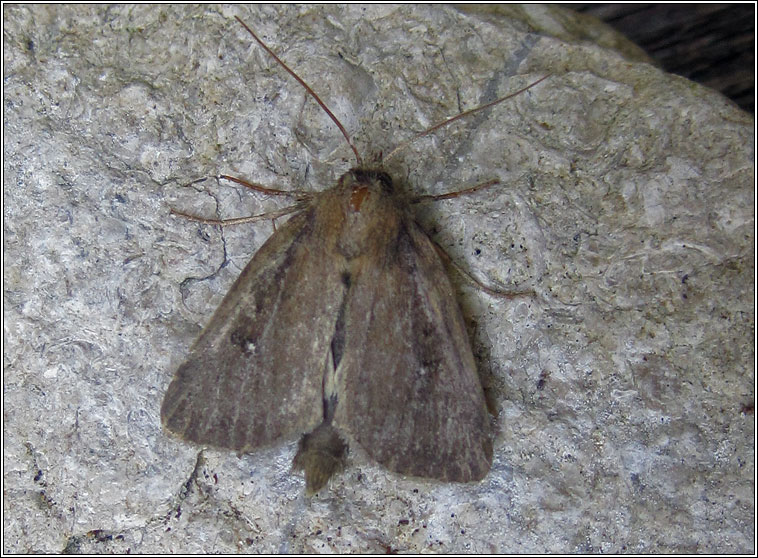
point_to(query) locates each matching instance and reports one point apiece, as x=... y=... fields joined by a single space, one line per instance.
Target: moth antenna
x=461 y=115
x=308 y=89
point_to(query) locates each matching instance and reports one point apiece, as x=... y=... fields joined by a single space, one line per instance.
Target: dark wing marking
x=255 y=373
x=409 y=392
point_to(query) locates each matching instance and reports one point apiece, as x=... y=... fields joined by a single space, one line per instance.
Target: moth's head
x=361 y=177
x=360 y=184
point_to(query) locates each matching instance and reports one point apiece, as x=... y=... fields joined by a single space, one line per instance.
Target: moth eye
x=386 y=181
x=363 y=175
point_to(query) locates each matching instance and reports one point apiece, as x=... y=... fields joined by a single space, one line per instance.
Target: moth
x=342 y=330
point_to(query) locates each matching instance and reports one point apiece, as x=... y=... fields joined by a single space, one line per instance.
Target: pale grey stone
x=624 y=386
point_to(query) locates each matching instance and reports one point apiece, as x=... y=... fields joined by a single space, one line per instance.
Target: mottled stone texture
x=624 y=386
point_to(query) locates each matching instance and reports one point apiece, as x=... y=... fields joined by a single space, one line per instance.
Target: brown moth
x=343 y=329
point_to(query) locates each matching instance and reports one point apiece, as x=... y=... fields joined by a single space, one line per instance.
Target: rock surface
x=624 y=387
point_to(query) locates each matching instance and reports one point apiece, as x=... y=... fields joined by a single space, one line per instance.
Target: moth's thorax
x=369 y=212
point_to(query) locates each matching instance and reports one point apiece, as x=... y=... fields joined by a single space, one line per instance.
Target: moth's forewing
x=409 y=392
x=255 y=373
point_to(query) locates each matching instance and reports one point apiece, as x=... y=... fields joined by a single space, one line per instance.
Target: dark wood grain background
x=712 y=44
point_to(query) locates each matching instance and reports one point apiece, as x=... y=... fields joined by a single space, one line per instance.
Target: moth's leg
x=239 y=220
x=447 y=259
x=451 y=195
x=492 y=291
x=299 y=194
